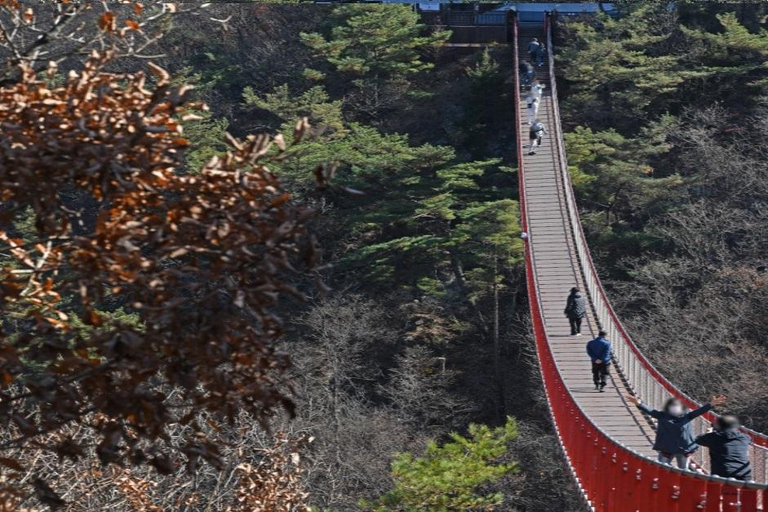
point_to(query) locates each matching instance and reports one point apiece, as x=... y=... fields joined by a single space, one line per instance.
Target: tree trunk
x=498 y=374
x=458 y=271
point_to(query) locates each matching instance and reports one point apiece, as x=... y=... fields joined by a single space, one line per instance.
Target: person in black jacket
x=728 y=449
x=674 y=433
x=575 y=310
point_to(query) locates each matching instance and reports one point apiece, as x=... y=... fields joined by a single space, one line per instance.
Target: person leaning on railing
x=728 y=449
x=674 y=433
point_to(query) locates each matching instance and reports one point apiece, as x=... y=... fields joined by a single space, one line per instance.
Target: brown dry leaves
x=202 y=258
x=274 y=483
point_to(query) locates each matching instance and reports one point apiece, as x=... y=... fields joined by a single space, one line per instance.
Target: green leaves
x=454 y=476
x=614 y=172
x=618 y=67
x=624 y=71
x=324 y=115
x=384 y=40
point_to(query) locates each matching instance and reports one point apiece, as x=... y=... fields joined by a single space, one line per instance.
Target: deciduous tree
x=200 y=259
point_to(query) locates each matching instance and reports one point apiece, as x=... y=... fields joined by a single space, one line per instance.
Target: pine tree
x=452 y=477
x=324 y=115
x=615 y=172
x=734 y=57
x=618 y=67
x=373 y=51
x=386 y=41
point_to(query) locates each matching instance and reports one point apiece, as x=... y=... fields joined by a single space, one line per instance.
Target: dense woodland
x=666 y=114
x=385 y=362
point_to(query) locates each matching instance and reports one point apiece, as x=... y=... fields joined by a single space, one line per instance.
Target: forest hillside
x=257 y=256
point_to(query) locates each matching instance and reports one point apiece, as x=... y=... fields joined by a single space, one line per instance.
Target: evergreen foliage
x=666 y=114
x=453 y=476
x=424 y=215
x=385 y=41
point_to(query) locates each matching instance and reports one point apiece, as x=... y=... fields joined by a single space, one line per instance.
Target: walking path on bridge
x=558 y=271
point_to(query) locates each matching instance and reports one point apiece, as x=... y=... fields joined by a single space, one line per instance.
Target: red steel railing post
x=749 y=499
x=626 y=475
x=576 y=446
x=614 y=474
x=731 y=501
x=714 y=492
x=586 y=460
x=597 y=475
x=603 y=477
x=668 y=496
x=636 y=493
x=570 y=428
x=652 y=493
x=693 y=496
x=589 y=464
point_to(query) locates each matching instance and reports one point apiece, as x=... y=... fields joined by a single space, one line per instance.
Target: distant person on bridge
x=674 y=433
x=728 y=449
x=527 y=73
x=540 y=55
x=575 y=310
x=536 y=89
x=533 y=49
x=599 y=350
x=534 y=134
x=532 y=109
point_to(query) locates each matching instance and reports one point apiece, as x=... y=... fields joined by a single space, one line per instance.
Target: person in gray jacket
x=575 y=310
x=674 y=431
x=728 y=449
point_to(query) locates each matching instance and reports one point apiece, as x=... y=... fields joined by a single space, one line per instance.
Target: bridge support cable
x=605 y=440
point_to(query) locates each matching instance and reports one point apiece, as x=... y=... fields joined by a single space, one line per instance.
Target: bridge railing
x=644 y=379
x=611 y=476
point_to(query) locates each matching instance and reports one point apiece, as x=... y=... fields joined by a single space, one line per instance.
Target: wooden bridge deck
x=557 y=270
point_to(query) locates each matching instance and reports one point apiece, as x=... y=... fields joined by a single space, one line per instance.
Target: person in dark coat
x=728 y=449
x=599 y=350
x=533 y=49
x=674 y=431
x=540 y=55
x=575 y=310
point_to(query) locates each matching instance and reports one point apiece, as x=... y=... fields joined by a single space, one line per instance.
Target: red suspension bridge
x=606 y=440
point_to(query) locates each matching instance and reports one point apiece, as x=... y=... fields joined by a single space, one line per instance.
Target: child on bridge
x=674 y=432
